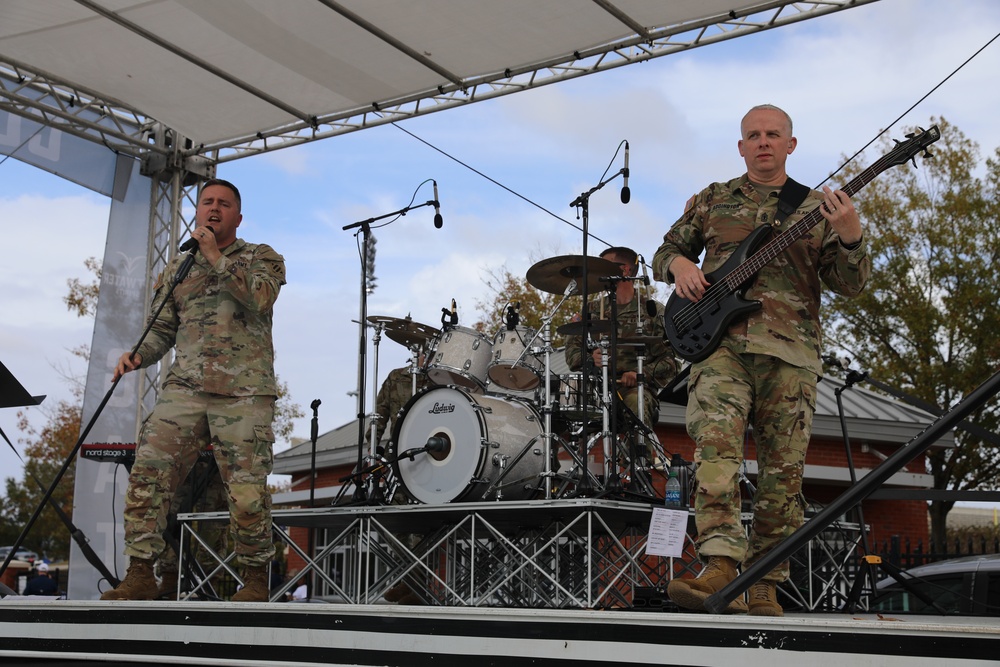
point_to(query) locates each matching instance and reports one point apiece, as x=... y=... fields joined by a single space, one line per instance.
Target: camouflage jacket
x=787 y=326
x=219 y=320
x=396 y=390
x=659 y=365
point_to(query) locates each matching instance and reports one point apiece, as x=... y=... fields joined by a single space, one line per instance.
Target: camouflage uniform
x=396 y=390
x=221 y=386
x=765 y=370
x=659 y=365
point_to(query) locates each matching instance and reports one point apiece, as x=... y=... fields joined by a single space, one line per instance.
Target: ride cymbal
x=554 y=275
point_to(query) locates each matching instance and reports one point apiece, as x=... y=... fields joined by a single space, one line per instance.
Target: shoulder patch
x=689 y=204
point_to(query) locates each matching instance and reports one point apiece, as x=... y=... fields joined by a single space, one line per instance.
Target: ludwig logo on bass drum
x=441 y=408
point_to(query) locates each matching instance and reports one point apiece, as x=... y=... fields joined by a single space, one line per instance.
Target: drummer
x=396 y=390
x=659 y=364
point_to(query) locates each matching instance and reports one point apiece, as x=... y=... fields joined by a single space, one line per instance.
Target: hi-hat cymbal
x=404 y=331
x=553 y=275
x=580 y=328
x=640 y=340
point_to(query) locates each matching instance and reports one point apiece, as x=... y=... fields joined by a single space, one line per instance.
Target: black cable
x=498 y=183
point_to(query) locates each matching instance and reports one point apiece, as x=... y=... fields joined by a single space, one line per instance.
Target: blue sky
x=843 y=78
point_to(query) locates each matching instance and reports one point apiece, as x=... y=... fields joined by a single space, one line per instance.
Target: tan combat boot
x=139 y=583
x=255 y=587
x=764 y=599
x=692 y=593
x=168 y=585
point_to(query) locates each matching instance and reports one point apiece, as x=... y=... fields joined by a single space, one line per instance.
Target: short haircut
x=226 y=184
x=768 y=107
x=624 y=255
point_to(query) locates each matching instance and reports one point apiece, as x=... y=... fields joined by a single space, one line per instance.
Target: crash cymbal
x=580 y=328
x=640 y=340
x=553 y=275
x=404 y=331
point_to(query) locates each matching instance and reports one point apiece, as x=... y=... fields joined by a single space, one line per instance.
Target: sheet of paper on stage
x=667 y=529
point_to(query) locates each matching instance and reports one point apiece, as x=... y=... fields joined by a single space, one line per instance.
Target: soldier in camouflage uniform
x=764 y=372
x=659 y=365
x=220 y=386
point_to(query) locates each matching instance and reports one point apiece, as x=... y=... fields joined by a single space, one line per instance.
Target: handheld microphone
x=192 y=243
x=454 y=315
x=438 y=220
x=626 y=193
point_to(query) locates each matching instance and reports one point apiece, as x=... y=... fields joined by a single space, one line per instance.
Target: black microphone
x=438 y=220
x=436 y=444
x=192 y=243
x=626 y=193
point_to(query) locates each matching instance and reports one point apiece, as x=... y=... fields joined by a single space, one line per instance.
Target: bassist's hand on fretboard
x=839 y=211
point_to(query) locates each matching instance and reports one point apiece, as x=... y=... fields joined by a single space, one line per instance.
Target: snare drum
x=571 y=405
x=513 y=366
x=487 y=447
x=460 y=356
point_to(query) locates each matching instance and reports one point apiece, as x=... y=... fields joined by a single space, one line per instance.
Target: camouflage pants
x=202 y=491
x=239 y=429
x=726 y=391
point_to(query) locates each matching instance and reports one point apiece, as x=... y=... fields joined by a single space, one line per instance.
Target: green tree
x=928 y=319
x=504 y=289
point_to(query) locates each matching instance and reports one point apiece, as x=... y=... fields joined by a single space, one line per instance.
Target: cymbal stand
x=612 y=480
x=545 y=331
x=373 y=426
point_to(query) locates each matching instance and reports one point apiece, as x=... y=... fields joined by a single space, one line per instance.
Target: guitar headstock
x=907 y=151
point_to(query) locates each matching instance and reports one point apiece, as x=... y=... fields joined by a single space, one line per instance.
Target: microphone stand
x=182 y=272
x=366 y=230
x=583 y=203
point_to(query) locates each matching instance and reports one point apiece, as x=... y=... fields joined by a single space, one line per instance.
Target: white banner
x=121 y=314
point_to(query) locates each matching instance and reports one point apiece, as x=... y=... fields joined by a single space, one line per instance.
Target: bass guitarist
x=764 y=369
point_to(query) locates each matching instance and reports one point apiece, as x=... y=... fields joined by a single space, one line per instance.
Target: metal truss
x=562 y=554
x=63 y=105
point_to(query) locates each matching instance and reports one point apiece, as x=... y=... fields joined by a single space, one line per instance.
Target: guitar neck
x=775 y=246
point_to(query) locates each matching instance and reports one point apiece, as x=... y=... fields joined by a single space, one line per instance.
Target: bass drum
x=462 y=443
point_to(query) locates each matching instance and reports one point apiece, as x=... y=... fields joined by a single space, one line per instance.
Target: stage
x=219 y=633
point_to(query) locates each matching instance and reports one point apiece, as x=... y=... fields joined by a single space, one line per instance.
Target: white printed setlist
x=667 y=529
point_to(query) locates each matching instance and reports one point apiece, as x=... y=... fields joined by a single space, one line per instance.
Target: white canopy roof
x=229 y=78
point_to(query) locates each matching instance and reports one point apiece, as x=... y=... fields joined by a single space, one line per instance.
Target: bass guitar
x=695 y=329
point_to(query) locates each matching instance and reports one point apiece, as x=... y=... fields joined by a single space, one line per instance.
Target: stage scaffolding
x=568 y=553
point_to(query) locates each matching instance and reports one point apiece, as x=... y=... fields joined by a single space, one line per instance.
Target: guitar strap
x=790 y=198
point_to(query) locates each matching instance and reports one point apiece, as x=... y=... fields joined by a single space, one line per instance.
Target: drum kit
x=495 y=418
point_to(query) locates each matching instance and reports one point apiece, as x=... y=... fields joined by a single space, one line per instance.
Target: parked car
x=22 y=554
x=967 y=586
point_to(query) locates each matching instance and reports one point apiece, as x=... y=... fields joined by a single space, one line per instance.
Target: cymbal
x=639 y=340
x=553 y=275
x=404 y=331
x=580 y=328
